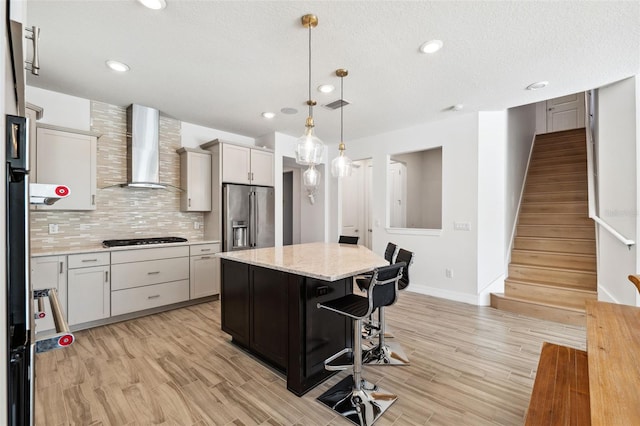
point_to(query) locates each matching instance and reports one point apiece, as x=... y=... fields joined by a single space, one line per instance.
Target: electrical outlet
x=196 y=225
x=448 y=273
x=53 y=228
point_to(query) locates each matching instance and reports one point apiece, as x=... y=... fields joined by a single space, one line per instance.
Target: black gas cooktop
x=142 y=241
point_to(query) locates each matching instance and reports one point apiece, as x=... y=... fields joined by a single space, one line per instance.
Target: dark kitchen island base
x=274 y=315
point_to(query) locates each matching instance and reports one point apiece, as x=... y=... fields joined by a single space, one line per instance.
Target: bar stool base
x=361 y=407
x=390 y=353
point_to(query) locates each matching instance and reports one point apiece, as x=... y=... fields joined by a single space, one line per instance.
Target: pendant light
x=341 y=166
x=309 y=147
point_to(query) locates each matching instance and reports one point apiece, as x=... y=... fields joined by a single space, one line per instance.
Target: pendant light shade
x=309 y=148
x=341 y=166
x=311 y=178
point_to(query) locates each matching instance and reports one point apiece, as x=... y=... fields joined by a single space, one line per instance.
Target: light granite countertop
x=324 y=261
x=99 y=248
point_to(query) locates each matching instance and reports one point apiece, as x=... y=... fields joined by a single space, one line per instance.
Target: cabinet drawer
x=198 y=249
x=88 y=259
x=126 y=256
x=140 y=298
x=128 y=275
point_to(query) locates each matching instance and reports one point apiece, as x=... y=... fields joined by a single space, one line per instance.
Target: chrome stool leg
x=381 y=352
x=355 y=399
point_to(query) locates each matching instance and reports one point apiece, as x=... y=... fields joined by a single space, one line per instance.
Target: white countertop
x=100 y=248
x=324 y=261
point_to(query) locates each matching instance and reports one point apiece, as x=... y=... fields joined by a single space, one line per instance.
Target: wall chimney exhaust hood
x=143 y=148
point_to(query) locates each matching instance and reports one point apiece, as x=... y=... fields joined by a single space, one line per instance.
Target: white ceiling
x=221 y=64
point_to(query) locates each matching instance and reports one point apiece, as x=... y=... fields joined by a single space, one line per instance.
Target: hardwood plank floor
x=469 y=365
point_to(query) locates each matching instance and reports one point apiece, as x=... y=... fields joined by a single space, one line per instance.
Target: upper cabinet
x=250 y=166
x=195 y=180
x=67 y=158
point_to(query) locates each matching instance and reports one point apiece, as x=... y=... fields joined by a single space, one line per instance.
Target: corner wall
x=617 y=140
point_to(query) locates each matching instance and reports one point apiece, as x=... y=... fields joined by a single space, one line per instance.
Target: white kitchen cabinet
x=204 y=270
x=49 y=272
x=245 y=165
x=195 y=180
x=261 y=167
x=89 y=288
x=67 y=158
x=148 y=278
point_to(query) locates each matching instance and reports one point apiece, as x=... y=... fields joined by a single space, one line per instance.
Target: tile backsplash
x=121 y=212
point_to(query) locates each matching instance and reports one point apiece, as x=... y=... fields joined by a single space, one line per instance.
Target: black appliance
x=20 y=329
x=142 y=241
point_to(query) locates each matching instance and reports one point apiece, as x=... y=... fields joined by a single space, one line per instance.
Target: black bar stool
x=354 y=398
x=369 y=327
x=383 y=352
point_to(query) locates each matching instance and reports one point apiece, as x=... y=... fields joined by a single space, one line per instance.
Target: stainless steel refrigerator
x=248 y=217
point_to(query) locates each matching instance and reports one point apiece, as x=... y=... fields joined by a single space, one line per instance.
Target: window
x=415 y=189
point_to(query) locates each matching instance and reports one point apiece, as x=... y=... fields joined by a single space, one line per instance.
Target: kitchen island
x=269 y=304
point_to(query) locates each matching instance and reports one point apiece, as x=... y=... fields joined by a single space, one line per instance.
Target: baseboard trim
x=444 y=294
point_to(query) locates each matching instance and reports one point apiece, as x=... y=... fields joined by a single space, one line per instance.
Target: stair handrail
x=593 y=214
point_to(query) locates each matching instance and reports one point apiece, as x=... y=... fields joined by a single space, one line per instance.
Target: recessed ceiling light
x=457 y=107
x=154 y=4
x=117 y=66
x=431 y=46
x=268 y=115
x=326 y=88
x=288 y=110
x=537 y=85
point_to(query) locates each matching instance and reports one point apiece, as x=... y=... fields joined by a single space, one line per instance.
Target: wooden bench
x=561 y=389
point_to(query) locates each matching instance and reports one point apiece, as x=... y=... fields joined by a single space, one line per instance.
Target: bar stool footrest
x=389 y=354
x=361 y=407
x=328 y=361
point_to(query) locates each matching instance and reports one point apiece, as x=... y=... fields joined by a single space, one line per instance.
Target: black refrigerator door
x=19 y=319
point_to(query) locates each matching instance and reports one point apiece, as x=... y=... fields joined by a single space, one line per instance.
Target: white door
x=352 y=203
x=89 y=294
x=368 y=197
x=397 y=195
x=565 y=113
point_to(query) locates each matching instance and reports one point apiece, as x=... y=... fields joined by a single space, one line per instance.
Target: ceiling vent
x=339 y=103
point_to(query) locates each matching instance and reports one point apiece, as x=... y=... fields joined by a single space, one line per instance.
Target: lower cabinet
x=255 y=309
x=89 y=288
x=148 y=278
x=204 y=270
x=49 y=272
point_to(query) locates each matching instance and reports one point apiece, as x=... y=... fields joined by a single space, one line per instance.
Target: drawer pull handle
x=89 y=260
x=205 y=257
x=153 y=273
x=205 y=249
x=155 y=296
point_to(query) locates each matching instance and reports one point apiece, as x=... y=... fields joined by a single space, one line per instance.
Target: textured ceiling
x=221 y=63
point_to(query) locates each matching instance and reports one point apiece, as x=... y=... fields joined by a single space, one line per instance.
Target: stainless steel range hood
x=143 y=148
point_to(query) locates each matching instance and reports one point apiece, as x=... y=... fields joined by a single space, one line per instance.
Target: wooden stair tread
x=552 y=268
x=543 y=304
x=551 y=239
x=554 y=253
x=551 y=285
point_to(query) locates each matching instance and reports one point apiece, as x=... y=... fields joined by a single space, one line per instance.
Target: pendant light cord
x=310 y=102
x=341 y=108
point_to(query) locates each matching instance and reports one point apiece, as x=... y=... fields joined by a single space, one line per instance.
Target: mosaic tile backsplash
x=121 y=212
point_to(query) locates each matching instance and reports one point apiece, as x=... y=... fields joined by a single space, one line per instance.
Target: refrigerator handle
x=254 y=222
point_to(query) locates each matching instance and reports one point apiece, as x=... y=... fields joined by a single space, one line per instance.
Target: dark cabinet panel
x=325 y=332
x=235 y=296
x=269 y=309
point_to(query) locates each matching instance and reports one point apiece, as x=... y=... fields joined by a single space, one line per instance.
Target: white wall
x=521 y=128
x=313 y=218
x=60 y=109
x=492 y=144
x=194 y=135
x=617 y=141
x=435 y=250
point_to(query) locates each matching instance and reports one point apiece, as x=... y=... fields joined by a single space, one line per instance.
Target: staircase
x=553 y=261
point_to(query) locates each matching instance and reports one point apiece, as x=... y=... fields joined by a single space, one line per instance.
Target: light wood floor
x=470 y=365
